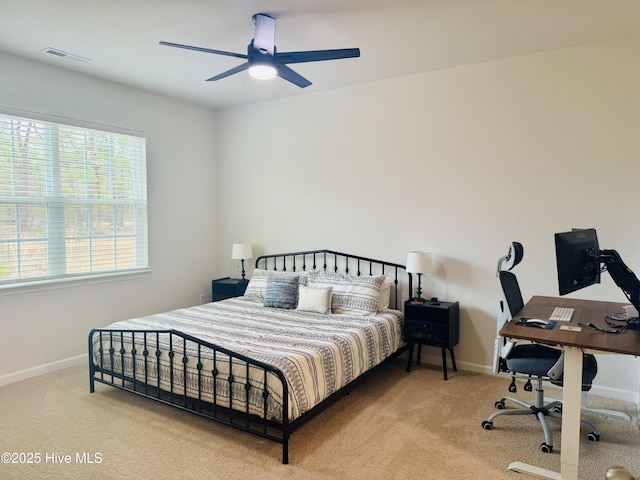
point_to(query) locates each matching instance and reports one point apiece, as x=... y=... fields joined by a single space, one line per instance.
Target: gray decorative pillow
x=282 y=292
x=258 y=283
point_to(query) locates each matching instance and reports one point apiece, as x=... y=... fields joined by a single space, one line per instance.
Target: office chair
x=530 y=360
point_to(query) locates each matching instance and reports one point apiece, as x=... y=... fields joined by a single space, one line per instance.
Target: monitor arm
x=622 y=275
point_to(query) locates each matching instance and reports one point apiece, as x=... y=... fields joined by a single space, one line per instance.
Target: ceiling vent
x=69 y=56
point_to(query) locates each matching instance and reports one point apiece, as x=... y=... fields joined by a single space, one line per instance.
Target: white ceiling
x=396 y=38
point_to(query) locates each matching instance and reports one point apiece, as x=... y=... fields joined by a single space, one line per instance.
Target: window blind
x=73 y=201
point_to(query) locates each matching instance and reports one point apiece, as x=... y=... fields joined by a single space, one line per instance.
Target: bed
x=310 y=326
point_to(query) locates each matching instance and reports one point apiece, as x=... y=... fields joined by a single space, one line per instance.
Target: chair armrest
x=557 y=370
x=501 y=348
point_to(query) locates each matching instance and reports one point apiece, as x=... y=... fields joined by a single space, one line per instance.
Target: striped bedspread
x=318 y=354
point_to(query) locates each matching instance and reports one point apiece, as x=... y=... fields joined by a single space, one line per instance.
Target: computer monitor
x=624 y=277
x=577 y=259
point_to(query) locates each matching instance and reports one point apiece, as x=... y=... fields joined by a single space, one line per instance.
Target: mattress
x=317 y=353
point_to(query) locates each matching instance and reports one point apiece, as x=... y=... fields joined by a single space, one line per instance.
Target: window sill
x=52 y=284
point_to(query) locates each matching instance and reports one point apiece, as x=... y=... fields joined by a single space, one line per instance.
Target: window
x=73 y=201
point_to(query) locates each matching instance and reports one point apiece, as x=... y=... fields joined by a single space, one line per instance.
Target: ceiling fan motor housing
x=260 y=56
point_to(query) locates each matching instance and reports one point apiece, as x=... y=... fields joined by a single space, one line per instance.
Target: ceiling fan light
x=262 y=71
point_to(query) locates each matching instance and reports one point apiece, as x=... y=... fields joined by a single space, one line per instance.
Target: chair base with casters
x=586 y=408
x=537 y=360
x=541 y=410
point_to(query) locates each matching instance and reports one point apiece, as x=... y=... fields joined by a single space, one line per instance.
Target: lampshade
x=241 y=251
x=419 y=262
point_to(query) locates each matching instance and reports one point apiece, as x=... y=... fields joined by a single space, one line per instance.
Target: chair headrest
x=514 y=257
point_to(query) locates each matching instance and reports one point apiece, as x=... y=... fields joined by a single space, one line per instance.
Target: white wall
x=461 y=162
x=39 y=328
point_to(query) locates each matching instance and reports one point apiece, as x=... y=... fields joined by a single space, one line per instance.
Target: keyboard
x=562 y=314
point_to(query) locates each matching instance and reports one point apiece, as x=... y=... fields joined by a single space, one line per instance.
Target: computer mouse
x=539 y=321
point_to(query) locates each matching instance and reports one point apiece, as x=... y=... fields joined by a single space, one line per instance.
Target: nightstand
x=432 y=323
x=227 y=288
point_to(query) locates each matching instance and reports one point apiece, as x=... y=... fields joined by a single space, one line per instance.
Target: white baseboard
x=607 y=392
x=42 y=369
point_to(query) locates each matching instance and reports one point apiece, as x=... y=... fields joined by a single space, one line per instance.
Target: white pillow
x=314 y=299
x=257 y=285
x=351 y=295
x=385 y=294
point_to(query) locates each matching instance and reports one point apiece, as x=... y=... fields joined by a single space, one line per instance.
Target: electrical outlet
x=205 y=298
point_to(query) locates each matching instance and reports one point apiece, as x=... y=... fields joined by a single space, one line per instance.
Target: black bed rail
x=133 y=359
x=132 y=362
x=331 y=260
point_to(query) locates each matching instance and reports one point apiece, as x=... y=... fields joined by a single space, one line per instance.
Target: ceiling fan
x=264 y=61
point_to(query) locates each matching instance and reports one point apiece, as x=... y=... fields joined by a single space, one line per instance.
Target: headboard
x=349 y=264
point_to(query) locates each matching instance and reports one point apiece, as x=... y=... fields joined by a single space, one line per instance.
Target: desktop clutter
x=580 y=261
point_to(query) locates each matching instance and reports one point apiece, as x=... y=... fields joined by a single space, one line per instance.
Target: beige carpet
x=396 y=425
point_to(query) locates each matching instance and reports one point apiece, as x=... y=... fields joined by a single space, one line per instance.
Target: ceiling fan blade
x=265 y=35
x=293 y=77
x=316 y=55
x=234 y=70
x=205 y=50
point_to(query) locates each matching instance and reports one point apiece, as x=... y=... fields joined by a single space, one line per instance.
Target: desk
x=574 y=345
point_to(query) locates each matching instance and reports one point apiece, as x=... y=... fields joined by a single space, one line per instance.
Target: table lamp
x=419 y=263
x=240 y=251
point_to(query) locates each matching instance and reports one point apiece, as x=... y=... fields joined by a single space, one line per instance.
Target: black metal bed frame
x=110 y=367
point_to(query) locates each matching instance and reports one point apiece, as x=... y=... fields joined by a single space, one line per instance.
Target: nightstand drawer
x=427 y=332
x=437 y=315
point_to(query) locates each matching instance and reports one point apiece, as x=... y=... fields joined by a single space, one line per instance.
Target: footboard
x=196 y=375
x=205 y=379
